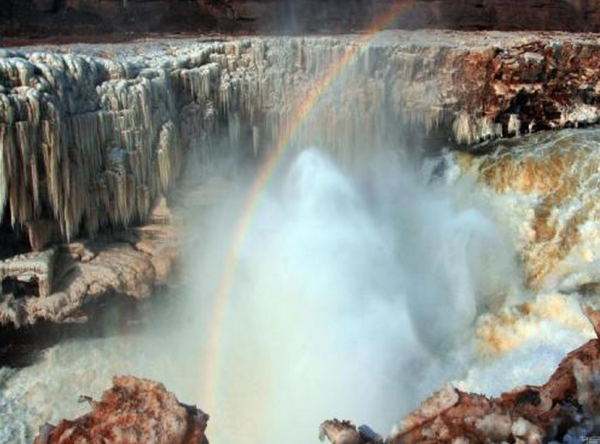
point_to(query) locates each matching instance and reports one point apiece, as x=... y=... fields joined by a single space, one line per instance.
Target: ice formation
x=92 y=136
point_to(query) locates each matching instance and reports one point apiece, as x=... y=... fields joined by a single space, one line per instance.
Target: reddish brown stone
x=133 y=411
x=529 y=414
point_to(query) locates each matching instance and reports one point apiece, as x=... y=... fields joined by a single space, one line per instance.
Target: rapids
x=357 y=291
x=550 y=181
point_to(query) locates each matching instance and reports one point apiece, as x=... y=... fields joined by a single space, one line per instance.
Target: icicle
x=3 y=176
x=93 y=141
x=469 y=129
x=514 y=125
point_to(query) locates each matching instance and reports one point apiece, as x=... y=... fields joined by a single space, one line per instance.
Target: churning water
x=355 y=294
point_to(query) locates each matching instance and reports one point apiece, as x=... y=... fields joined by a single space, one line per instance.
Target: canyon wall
x=56 y=18
x=91 y=140
x=92 y=136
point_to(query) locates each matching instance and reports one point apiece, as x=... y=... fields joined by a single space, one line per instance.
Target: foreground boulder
x=567 y=406
x=132 y=411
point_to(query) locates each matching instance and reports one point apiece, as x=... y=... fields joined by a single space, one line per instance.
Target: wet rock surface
x=132 y=411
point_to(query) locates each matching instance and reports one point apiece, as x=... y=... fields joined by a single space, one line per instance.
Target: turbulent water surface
x=357 y=291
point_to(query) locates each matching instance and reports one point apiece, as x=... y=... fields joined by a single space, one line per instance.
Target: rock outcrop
x=33 y=269
x=130 y=263
x=92 y=136
x=564 y=408
x=132 y=411
x=88 y=17
x=339 y=432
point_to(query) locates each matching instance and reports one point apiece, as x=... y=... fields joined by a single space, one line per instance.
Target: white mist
x=347 y=297
x=353 y=297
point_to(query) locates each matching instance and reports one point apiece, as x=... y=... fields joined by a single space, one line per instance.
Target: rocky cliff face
x=81 y=17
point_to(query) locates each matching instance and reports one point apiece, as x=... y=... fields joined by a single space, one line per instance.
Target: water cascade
x=379 y=262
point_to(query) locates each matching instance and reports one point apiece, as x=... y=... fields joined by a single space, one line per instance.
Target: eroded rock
x=130 y=264
x=133 y=411
x=28 y=272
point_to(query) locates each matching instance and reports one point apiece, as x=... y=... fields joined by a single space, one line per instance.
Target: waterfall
x=359 y=267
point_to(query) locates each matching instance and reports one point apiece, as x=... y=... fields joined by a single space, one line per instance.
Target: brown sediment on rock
x=131 y=263
x=132 y=411
x=526 y=87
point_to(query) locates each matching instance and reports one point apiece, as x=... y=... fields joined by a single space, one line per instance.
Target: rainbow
x=266 y=172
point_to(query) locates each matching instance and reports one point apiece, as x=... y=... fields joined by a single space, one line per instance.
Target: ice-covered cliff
x=91 y=135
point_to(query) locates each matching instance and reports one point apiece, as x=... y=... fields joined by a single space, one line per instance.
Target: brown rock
x=133 y=411
x=530 y=414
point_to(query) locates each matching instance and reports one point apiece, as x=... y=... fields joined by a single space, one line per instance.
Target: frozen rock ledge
x=131 y=116
x=92 y=135
x=129 y=263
